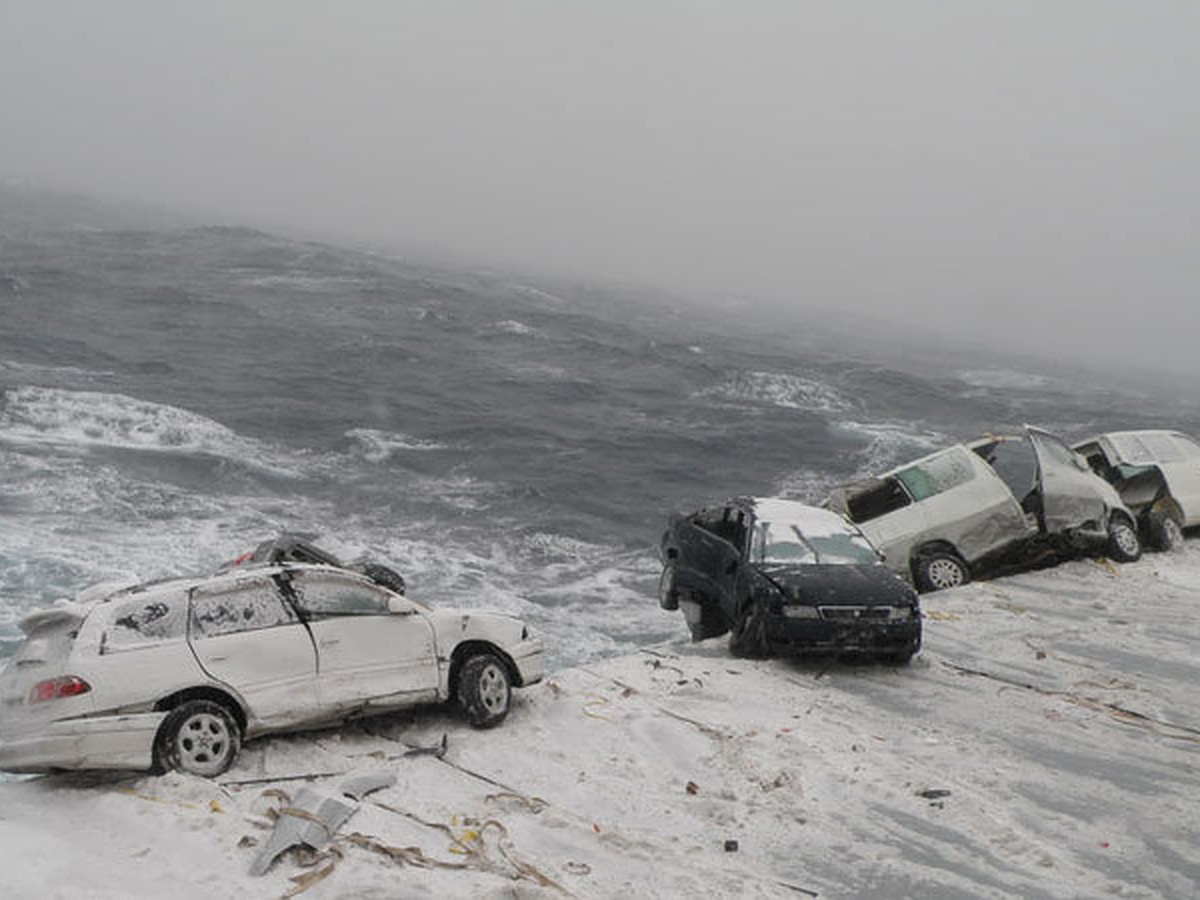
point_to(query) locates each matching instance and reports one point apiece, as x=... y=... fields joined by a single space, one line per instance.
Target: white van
x=971 y=505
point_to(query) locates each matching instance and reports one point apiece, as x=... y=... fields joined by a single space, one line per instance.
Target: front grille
x=854 y=613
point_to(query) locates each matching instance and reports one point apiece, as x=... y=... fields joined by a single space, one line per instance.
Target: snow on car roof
x=811 y=521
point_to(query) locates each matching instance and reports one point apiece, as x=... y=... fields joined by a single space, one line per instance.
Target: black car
x=786 y=578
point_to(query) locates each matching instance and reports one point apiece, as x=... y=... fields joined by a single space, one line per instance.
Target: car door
x=244 y=635
x=1072 y=494
x=1181 y=468
x=710 y=567
x=374 y=647
x=962 y=502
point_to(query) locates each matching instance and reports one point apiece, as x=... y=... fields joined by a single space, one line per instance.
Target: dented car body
x=966 y=508
x=785 y=578
x=1157 y=474
x=175 y=674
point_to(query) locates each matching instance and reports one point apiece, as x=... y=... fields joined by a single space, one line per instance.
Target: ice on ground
x=1044 y=743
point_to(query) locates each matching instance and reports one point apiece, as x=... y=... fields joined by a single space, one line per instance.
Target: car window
x=144 y=620
x=783 y=542
x=320 y=596
x=780 y=543
x=937 y=474
x=876 y=500
x=245 y=607
x=1055 y=450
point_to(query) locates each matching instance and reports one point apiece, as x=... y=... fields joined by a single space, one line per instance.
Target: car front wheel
x=484 y=690
x=940 y=570
x=748 y=637
x=199 y=737
x=1123 y=542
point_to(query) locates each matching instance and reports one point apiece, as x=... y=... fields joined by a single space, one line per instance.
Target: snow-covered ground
x=1045 y=743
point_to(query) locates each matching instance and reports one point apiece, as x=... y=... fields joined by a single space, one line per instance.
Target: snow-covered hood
x=454 y=626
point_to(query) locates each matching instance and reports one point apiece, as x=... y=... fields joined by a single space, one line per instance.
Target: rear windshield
x=46 y=645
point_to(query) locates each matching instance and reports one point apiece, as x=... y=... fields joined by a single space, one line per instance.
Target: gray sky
x=1024 y=169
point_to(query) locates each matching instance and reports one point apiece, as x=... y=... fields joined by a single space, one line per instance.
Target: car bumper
x=793 y=636
x=530 y=664
x=99 y=742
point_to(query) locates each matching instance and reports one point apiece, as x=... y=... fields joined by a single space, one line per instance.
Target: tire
x=1163 y=532
x=484 y=690
x=1123 y=542
x=748 y=637
x=668 y=597
x=899 y=657
x=199 y=737
x=940 y=570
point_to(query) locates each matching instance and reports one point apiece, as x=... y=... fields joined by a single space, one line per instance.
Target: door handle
x=216 y=658
x=329 y=642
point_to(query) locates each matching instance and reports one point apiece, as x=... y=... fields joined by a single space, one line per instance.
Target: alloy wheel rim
x=493 y=689
x=945 y=573
x=203 y=743
x=1126 y=539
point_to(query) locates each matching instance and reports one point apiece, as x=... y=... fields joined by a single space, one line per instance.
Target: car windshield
x=811 y=541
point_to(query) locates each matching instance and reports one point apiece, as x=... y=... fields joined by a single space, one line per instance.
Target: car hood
x=873 y=584
x=455 y=626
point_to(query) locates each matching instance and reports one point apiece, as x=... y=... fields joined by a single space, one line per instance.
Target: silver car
x=176 y=674
x=970 y=506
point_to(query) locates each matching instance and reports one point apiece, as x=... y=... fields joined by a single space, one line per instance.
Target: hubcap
x=945 y=573
x=493 y=689
x=203 y=743
x=1125 y=539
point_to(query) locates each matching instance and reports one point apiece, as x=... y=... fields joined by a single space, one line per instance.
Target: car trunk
x=44 y=656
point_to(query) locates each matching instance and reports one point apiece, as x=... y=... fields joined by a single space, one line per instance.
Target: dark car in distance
x=785 y=578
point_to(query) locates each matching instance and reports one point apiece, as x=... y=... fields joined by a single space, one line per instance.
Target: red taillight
x=57 y=688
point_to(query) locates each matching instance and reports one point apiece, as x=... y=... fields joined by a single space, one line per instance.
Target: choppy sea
x=171 y=394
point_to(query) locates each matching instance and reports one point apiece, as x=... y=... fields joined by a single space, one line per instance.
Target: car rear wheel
x=1163 y=531
x=484 y=690
x=1123 y=542
x=940 y=570
x=199 y=737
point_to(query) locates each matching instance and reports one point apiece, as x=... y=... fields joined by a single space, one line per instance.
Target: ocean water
x=172 y=394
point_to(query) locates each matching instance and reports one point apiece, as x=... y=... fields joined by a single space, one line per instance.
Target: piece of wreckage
x=176 y=674
x=1157 y=474
x=995 y=502
x=785 y=578
x=313 y=817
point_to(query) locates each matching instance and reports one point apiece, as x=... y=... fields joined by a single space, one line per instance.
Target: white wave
x=309 y=284
x=512 y=326
x=377 y=446
x=780 y=389
x=35 y=372
x=539 y=294
x=806 y=485
x=1003 y=379
x=83 y=419
x=888 y=444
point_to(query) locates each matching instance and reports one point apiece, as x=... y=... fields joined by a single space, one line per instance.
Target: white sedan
x=176 y=674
